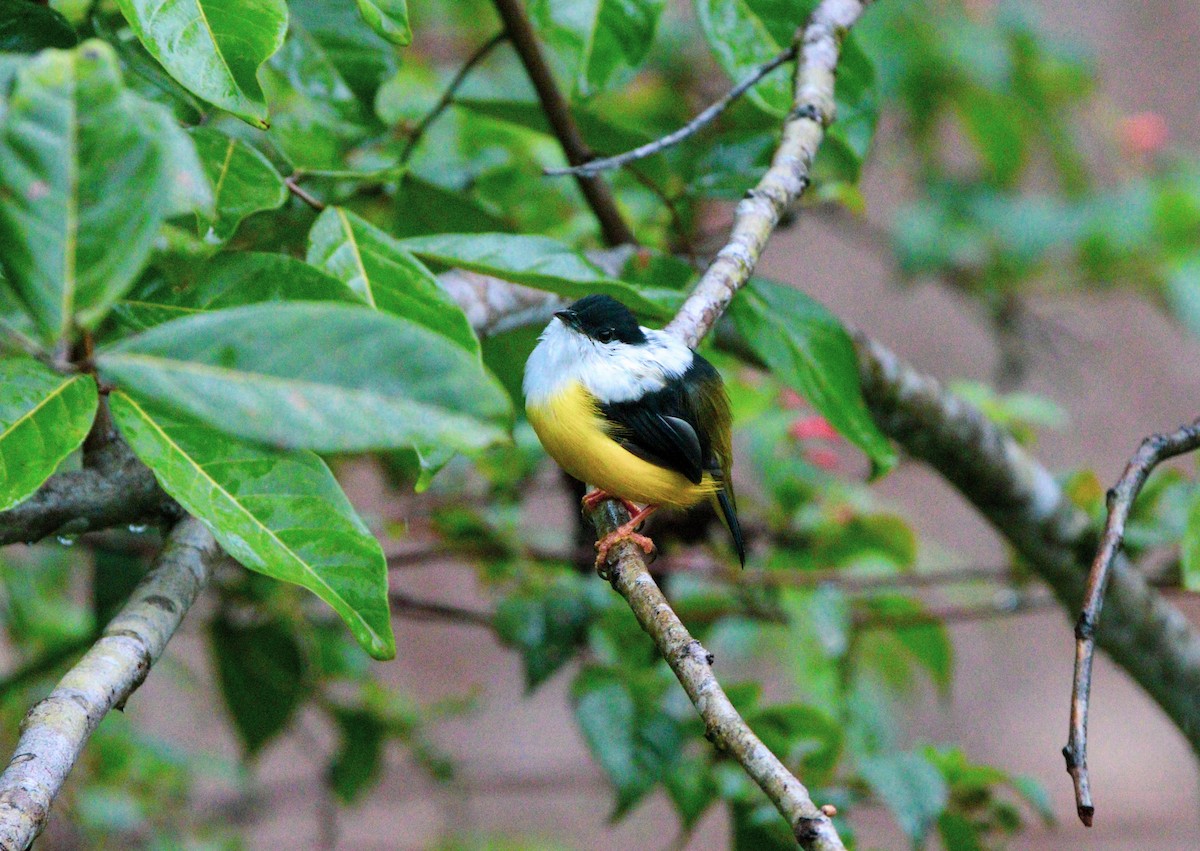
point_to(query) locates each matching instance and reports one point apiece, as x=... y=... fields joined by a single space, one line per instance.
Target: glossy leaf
x=232 y=280
x=911 y=787
x=541 y=263
x=327 y=377
x=243 y=180
x=44 y=416
x=389 y=18
x=621 y=35
x=260 y=668
x=363 y=59
x=807 y=347
x=385 y=275
x=27 y=27
x=73 y=241
x=739 y=32
x=213 y=48
x=277 y=512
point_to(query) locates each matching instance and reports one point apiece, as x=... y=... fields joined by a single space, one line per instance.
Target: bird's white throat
x=612 y=372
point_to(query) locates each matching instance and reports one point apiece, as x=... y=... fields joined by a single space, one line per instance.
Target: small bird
x=634 y=412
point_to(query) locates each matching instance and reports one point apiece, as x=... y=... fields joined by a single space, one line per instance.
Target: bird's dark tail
x=729 y=515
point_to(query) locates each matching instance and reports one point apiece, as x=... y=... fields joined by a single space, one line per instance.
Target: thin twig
x=292 y=183
x=785 y=181
x=447 y=97
x=698 y=123
x=406 y=604
x=597 y=193
x=1153 y=450
x=1006 y=604
x=55 y=731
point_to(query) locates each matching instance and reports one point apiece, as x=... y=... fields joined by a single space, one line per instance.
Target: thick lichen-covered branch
x=784 y=182
x=56 y=729
x=1141 y=631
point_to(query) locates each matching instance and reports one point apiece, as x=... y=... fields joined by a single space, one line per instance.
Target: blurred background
x=1029 y=236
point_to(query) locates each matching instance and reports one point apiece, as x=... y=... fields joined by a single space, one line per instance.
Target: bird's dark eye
x=605 y=336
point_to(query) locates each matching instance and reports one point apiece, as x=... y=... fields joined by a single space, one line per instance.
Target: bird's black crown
x=604 y=319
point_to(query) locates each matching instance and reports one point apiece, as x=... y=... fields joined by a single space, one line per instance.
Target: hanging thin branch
x=56 y=729
x=702 y=120
x=1153 y=451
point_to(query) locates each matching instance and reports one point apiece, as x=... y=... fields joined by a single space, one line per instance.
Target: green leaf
x=279 y=513
x=374 y=265
x=621 y=34
x=960 y=833
x=115 y=573
x=73 y=238
x=389 y=18
x=44 y=416
x=806 y=346
x=359 y=760
x=363 y=59
x=243 y=180
x=232 y=280
x=260 y=667
x=741 y=39
x=547 y=625
x=1189 y=547
x=27 y=27
x=929 y=643
x=213 y=48
x=911 y=787
x=327 y=377
x=1182 y=290
x=539 y=262
x=607 y=716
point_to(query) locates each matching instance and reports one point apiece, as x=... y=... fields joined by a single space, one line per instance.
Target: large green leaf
x=44 y=416
x=213 y=47
x=539 y=262
x=389 y=18
x=75 y=153
x=806 y=346
x=621 y=34
x=261 y=669
x=374 y=265
x=231 y=280
x=27 y=27
x=363 y=59
x=278 y=512
x=319 y=376
x=243 y=180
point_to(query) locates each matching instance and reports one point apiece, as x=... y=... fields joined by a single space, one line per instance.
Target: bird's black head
x=604 y=319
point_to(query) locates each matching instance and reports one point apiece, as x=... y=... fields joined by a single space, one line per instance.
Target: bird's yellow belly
x=574 y=433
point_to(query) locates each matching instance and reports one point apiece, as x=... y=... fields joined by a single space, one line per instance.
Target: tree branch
x=55 y=731
x=1141 y=631
x=784 y=182
x=702 y=120
x=116 y=489
x=1153 y=450
x=597 y=193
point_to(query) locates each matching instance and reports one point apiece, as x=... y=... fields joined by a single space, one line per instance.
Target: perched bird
x=632 y=411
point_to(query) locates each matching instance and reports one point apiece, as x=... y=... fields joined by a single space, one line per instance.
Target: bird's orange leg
x=625 y=532
x=594 y=497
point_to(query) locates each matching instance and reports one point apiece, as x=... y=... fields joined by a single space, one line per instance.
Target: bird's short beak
x=568 y=317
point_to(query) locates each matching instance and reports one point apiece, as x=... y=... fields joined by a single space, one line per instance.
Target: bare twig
x=759 y=212
x=447 y=97
x=55 y=731
x=1006 y=604
x=597 y=193
x=292 y=183
x=698 y=123
x=1153 y=450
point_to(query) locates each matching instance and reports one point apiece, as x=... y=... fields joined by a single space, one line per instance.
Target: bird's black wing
x=665 y=427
